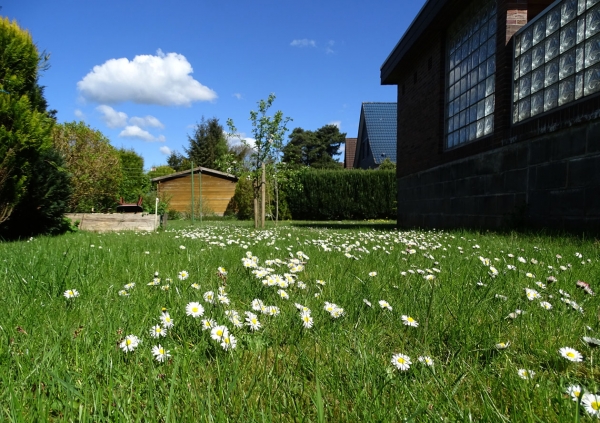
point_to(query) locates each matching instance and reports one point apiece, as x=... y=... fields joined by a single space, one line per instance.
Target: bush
x=46 y=200
x=352 y=194
x=242 y=202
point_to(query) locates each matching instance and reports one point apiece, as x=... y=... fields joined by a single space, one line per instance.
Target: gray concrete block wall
x=552 y=180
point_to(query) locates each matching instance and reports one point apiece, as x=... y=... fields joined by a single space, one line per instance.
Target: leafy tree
x=160 y=171
x=135 y=182
x=178 y=162
x=268 y=133
x=94 y=164
x=316 y=149
x=25 y=126
x=208 y=144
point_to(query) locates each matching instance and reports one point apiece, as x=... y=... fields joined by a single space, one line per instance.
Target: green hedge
x=350 y=194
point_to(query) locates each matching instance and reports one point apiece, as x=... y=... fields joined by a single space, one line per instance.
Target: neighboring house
x=499 y=114
x=350 y=150
x=215 y=188
x=376 y=135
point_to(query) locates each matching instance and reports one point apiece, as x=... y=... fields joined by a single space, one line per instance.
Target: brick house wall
x=529 y=172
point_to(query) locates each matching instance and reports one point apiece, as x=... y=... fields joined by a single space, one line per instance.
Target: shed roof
x=419 y=25
x=198 y=169
x=380 y=122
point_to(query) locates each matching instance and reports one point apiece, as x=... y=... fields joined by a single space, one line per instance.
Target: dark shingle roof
x=381 y=125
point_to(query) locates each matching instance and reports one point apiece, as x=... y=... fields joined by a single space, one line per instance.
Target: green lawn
x=63 y=359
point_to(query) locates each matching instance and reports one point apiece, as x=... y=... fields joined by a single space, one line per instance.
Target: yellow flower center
x=570 y=354
x=128 y=342
x=595 y=405
x=401 y=360
x=195 y=309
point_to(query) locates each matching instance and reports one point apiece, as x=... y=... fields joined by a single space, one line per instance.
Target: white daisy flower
x=160 y=353
x=409 y=321
x=385 y=305
x=591 y=403
x=401 y=361
x=219 y=332
x=71 y=293
x=571 y=354
x=130 y=343
x=526 y=374
x=194 y=309
x=157 y=331
x=166 y=320
x=428 y=361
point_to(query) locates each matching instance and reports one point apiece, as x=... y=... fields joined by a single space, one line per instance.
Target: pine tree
x=207 y=144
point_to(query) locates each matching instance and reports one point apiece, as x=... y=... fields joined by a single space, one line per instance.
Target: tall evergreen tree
x=178 y=162
x=30 y=171
x=208 y=143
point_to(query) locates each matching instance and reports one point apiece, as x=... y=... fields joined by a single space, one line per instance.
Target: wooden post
x=156 y=214
x=192 y=163
x=263 y=189
x=276 y=201
x=255 y=189
x=201 y=209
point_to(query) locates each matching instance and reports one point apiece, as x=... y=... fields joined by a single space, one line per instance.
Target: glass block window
x=557 y=58
x=471 y=81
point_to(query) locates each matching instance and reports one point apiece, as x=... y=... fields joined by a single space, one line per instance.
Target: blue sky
x=145 y=72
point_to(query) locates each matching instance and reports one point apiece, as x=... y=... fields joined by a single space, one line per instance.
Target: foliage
x=178 y=162
x=42 y=207
x=149 y=202
x=135 y=182
x=316 y=149
x=160 y=171
x=94 y=166
x=268 y=133
x=241 y=204
x=208 y=144
x=387 y=164
x=25 y=126
x=351 y=194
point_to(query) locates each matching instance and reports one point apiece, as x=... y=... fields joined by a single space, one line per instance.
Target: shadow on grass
x=388 y=225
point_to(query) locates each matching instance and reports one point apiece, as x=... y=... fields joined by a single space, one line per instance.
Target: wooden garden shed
x=215 y=188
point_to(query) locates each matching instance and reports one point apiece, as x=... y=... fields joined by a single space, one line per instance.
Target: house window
x=557 y=58
x=471 y=80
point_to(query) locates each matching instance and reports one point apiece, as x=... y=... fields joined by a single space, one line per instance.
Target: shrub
x=352 y=194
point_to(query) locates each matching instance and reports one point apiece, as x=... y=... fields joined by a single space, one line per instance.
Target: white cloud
x=238 y=96
x=237 y=140
x=146 y=121
x=337 y=123
x=111 y=117
x=305 y=42
x=79 y=114
x=164 y=79
x=165 y=150
x=329 y=48
x=132 y=131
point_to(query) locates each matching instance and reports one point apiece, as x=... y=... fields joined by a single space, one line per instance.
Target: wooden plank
x=110 y=222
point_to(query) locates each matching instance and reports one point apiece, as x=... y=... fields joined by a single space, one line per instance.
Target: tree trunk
x=263 y=188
